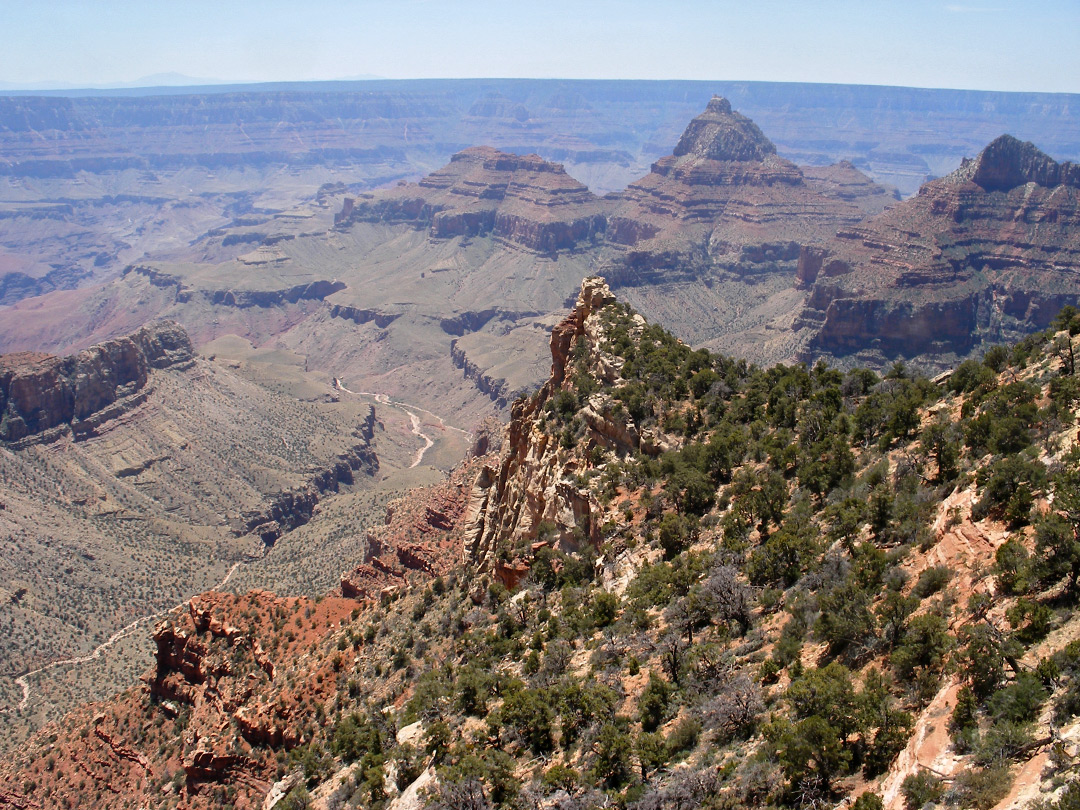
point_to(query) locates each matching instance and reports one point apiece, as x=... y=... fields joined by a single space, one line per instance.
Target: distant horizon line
x=197 y=83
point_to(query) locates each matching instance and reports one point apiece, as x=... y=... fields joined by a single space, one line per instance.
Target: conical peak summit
x=721 y=134
x=718 y=104
x=1008 y=162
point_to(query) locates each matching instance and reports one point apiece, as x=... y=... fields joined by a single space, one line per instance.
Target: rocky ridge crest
x=530 y=495
x=1008 y=162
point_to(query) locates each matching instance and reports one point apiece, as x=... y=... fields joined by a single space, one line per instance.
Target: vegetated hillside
x=686 y=582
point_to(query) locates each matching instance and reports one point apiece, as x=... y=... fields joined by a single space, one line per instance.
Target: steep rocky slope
x=981 y=256
x=236 y=678
x=845 y=182
x=686 y=582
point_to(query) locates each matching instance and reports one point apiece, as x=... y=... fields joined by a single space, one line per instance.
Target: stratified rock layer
x=41 y=394
x=523 y=199
x=985 y=254
x=421 y=535
x=534 y=480
x=723 y=200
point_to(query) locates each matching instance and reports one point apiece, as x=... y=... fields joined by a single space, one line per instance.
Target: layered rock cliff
x=717 y=202
x=522 y=199
x=723 y=210
x=421 y=537
x=41 y=396
x=844 y=181
x=295 y=507
x=988 y=253
x=241 y=298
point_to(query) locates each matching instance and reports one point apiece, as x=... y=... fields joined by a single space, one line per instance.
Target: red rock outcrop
x=522 y=199
x=41 y=395
x=533 y=481
x=239 y=680
x=220 y=660
x=121 y=750
x=422 y=535
x=16 y=801
x=988 y=253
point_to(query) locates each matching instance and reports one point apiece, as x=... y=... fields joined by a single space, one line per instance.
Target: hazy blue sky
x=991 y=44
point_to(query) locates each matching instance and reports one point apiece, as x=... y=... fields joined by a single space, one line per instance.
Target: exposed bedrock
x=496 y=388
x=41 y=395
x=534 y=480
x=312 y=291
x=901 y=328
x=524 y=200
x=359 y=315
x=988 y=253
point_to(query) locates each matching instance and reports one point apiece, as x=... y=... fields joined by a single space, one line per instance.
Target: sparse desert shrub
x=931 y=581
x=980 y=789
x=683 y=738
x=920 y=789
x=653 y=705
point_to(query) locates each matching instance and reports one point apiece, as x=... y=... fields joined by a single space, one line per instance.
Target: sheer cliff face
x=986 y=253
x=532 y=481
x=41 y=394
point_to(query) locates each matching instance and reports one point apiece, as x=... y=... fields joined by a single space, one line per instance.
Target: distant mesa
x=722 y=208
x=724 y=202
x=522 y=199
x=496 y=105
x=567 y=100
